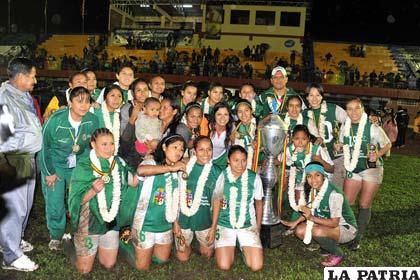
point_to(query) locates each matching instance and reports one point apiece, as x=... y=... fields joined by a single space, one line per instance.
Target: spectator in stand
x=381 y=78
x=397 y=78
x=357 y=74
x=365 y=77
x=193 y=56
x=216 y=55
x=351 y=75
x=328 y=57
x=253 y=53
x=372 y=78
x=363 y=50
x=402 y=120
x=247 y=52
x=292 y=58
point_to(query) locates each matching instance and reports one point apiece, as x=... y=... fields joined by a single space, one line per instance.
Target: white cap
x=277 y=69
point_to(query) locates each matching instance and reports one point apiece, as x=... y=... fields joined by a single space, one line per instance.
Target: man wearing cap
x=274 y=99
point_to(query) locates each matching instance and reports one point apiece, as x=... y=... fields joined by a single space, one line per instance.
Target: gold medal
x=104 y=175
x=184 y=176
x=75 y=148
x=106 y=179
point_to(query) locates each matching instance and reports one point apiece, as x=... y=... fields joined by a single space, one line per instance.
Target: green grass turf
x=393 y=239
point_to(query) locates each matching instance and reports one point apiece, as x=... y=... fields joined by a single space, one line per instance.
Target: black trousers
x=402 y=130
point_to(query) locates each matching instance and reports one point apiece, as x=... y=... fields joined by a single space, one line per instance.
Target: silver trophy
x=273 y=135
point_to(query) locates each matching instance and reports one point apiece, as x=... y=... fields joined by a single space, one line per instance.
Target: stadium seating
x=407 y=59
x=377 y=58
x=58 y=45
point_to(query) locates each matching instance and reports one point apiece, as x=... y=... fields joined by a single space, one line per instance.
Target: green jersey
x=86 y=218
x=98 y=113
x=334 y=116
x=372 y=134
x=299 y=163
x=181 y=105
x=202 y=219
x=60 y=137
x=269 y=102
x=222 y=191
x=96 y=93
x=155 y=220
x=328 y=208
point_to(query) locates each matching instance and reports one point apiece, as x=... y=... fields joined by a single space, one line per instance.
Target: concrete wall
x=276 y=29
x=238 y=36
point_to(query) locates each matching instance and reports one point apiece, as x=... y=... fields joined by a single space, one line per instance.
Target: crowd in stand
x=357 y=50
x=207 y=62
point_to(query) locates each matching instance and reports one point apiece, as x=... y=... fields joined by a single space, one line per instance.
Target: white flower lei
x=298 y=121
x=187 y=211
x=315 y=204
x=108 y=216
x=321 y=126
x=351 y=165
x=115 y=129
x=292 y=179
x=232 y=200
x=206 y=108
x=172 y=198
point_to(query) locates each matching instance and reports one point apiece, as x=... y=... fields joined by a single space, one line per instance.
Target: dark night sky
x=342 y=20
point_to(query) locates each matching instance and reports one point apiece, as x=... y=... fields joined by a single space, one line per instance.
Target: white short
x=87 y=245
x=199 y=234
x=147 y=240
x=347 y=233
x=372 y=175
x=247 y=237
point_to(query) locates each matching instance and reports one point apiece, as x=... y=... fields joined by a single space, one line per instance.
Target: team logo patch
x=224 y=204
x=84 y=136
x=189 y=198
x=159 y=197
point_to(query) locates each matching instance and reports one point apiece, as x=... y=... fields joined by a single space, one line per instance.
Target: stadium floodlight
x=183 y=6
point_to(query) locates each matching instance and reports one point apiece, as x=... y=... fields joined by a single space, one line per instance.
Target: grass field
x=393 y=239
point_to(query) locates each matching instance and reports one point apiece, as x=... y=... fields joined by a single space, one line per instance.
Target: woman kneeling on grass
x=195 y=198
x=157 y=206
x=96 y=187
x=326 y=215
x=237 y=208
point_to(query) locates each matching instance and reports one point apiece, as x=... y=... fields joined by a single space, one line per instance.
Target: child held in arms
x=148 y=125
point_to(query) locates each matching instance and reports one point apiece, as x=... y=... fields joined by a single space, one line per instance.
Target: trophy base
x=271 y=235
